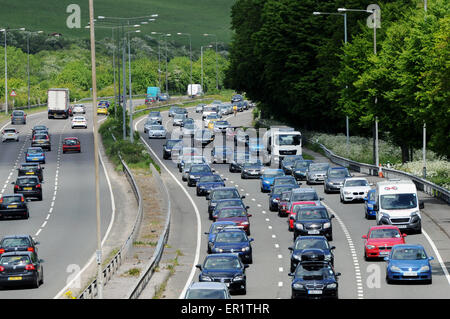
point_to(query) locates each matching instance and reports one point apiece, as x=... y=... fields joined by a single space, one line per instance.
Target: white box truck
x=397 y=204
x=281 y=141
x=58 y=103
x=194 y=90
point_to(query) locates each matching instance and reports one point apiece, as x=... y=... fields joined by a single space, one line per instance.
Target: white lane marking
x=38 y=232
x=197 y=213
x=438 y=256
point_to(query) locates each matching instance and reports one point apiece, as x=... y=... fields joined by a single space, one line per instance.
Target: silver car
x=10 y=134
x=316 y=173
x=178 y=119
x=149 y=123
x=203 y=137
x=188 y=129
x=220 y=126
x=155 y=116
x=18 y=116
x=207 y=290
x=157 y=131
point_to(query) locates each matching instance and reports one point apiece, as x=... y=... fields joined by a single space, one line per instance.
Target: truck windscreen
x=288 y=139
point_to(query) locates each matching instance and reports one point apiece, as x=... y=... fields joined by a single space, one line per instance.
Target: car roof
x=223 y=188
x=304 y=190
x=18 y=253
x=313 y=207
x=311 y=237
x=16 y=236
x=208 y=285
x=338 y=167
x=71 y=138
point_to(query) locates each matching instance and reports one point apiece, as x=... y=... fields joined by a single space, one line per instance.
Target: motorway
x=268 y=276
x=64 y=222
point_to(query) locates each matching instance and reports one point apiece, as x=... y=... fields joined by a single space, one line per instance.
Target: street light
x=347 y=129
x=4 y=30
x=28 y=62
x=201 y=59
x=190 y=57
x=159 y=57
x=373 y=11
x=167 y=84
x=217 y=72
x=129 y=84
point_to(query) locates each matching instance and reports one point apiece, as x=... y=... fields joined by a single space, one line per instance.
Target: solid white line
x=438 y=256
x=197 y=214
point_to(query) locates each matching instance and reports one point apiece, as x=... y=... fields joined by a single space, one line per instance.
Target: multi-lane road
x=268 y=276
x=64 y=222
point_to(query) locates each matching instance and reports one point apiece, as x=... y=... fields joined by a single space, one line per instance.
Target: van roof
x=397 y=186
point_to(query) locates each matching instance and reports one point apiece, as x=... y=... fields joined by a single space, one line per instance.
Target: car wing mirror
x=206 y=233
x=421 y=205
x=246 y=265
x=431 y=258
x=199 y=266
x=249 y=215
x=386 y=258
x=364 y=237
x=247 y=207
x=243 y=196
x=252 y=239
x=337 y=274
x=291 y=248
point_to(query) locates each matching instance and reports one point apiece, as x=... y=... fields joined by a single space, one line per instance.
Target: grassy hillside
x=188 y=16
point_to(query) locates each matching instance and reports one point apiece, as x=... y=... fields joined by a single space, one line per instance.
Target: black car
x=226 y=268
x=252 y=169
x=313 y=220
x=208 y=182
x=21 y=268
x=233 y=240
x=305 y=243
x=41 y=140
x=239 y=158
x=314 y=279
x=31 y=169
x=288 y=162
x=29 y=186
x=13 y=206
x=18 y=117
x=219 y=193
x=167 y=148
x=275 y=195
x=18 y=243
x=224 y=203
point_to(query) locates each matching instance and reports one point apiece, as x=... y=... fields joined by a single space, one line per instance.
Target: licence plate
x=29 y=173
x=410 y=274
x=12 y=206
x=386 y=252
x=14 y=278
x=401 y=226
x=35 y=159
x=27 y=188
x=313 y=232
x=314 y=292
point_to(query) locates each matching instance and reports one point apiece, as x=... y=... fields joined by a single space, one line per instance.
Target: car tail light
x=2 y=251
x=1 y=200
x=16 y=187
x=38 y=186
x=2 y=268
x=30 y=267
x=30 y=249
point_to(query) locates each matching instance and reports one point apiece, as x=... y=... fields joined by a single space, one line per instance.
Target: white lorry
x=58 y=103
x=281 y=141
x=194 y=90
x=397 y=204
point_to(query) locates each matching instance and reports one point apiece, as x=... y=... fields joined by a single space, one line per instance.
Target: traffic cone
x=380 y=171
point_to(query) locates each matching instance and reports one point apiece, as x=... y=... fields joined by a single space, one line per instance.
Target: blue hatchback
x=267 y=177
x=369 y=201
x=35 y=154
x=408 y=263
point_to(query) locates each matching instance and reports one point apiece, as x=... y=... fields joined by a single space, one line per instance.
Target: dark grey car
x=42 y=140
x=335 y=178
x=18 y=117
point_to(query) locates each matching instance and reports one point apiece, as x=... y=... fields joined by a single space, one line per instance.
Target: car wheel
x=330 y=237
x=365 y=257
x=35 y=284
x=41 y=282
x=250 y=260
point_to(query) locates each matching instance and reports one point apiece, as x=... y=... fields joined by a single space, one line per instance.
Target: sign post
x=13 y=95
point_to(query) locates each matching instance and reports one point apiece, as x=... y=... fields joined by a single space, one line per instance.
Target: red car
x=292 y=212
x=235 y=214
x=71 y=144
x=380 y=239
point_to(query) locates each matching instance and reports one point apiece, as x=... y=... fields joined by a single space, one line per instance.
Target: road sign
x=13 y=93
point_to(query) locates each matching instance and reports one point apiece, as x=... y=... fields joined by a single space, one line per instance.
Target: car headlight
x=192 y=176
x=297 y=286
x=238 y=278
x=299 y=226
x=246 y=249
x=332 y=286
x=245 y=223
x=371 y=247
x=245 y=171
x=218 y=250
x=297 y=257
x=326 y=225
x=414 y=214
x=213 y=204
x=266 y=182
x=328 y=257
x=205 y=278
x=347 y=193
x=395 y=269
x=424 y=268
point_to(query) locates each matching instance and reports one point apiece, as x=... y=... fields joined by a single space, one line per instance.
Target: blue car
x=226 y=268
x=408 y=263
x=223 y=203
x=233 y=240
x=369 y=201
x=196 y=171
x=275 y=195
x=214 y=229
x=208 y=182
x=267 y=178
x=35 y=154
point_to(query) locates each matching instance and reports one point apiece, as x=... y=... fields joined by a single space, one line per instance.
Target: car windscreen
x=291 y=159
x=206 y=294
x=27 y=180
x=289 y=139
x=189 y=126
x=10 y=200
x=306 y=196
x=171 y=143
x=318 y=167
x=311 y=243
x=408 y=254
x=285 y=195
x=280 y=189
x=353 y=183
x=302 y=164
x=222 y=262
x=15 y=242
x=272 y=174
x=385 y=233
x=232 y=212
x=398 y=201
x=157 y=128
x=231 y=237
x=338 y=173
x=304 y=214
x=224 y=194
x=283 y=181
x=210 y=109
x=15 y=260
x=200 y=169
x=221 y=123
x=230 y=203
x=252 y=163
x=314 y=272
x=154 y=114
x=210 y=179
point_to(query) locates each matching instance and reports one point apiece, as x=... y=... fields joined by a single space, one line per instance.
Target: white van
x=397 y=204
x=194 y=90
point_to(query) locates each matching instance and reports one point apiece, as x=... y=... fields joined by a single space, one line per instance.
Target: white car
x=157 y=131
x=79 y=109
x=10 y=134
x=355 y=188
x=79 y=121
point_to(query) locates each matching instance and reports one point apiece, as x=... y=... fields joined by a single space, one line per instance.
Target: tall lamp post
x=217 y=72
x=129 y=85
x=167 y=83
x=28 y=63
x=190 y=57
x=201 y=61
x=347 y=129
x=374 y=12
x=4 y=30
x=159 y=56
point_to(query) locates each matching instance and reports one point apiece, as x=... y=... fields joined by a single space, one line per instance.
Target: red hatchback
x=292 y=212
x=235 y=214
x=71 y=144
x=380 y=239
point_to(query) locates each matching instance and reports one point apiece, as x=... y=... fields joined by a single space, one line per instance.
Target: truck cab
x=281 y=141
x=153 y=93
x=397 y=204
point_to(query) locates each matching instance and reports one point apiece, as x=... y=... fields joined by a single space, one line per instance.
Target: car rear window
x=71 y=142
x=224 y=194
x=15 y=260
x=11 y=199
x=10 y=130
x=27 y=180
x=18 y=113
x=15 y=242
